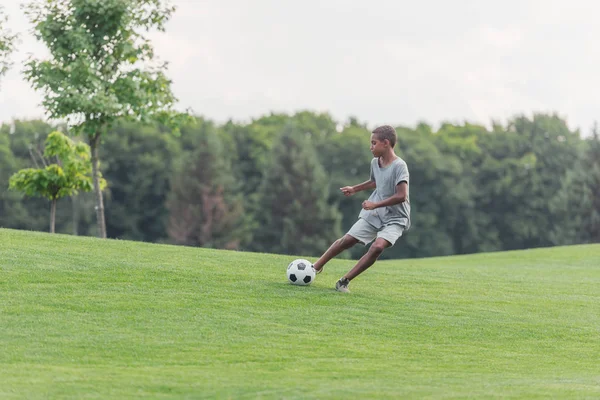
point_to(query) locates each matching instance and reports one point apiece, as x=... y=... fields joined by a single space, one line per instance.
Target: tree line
x=272 y=184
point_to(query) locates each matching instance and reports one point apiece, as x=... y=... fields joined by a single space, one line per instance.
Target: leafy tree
x=138 y=164
x=470 y=229
x=295 y=216
x=522 y=173
x=248 y=148
x=66 y=177
x=250 y=145
x=346 y=159
x=592 y=165
x=576 y=206
x=21 y=140
x=101 y=68
x=430 y=177
x=9 y=204
x=205 y=204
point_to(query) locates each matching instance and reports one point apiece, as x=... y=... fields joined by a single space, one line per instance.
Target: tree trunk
x=94 y=144
x=52 y=215
x=75 y=209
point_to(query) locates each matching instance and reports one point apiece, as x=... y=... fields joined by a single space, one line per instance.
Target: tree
x=249 y=147
x=430 y=181
x=101 y=68
x=576 y=205
x=70 y=173
x=460 y=160
x=346 y=158
x=522 y=169
x=9 y=204
x=205 y=204
x=295 y=216
x=592 y=165
x=19 y=141
x=138 y=164
x=7 y=43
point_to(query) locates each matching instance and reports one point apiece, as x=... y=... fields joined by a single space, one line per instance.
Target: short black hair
x=386 y=132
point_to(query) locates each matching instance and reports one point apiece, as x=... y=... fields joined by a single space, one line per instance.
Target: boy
x=385 y=215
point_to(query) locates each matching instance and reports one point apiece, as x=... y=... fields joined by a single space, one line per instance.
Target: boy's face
x=378 y=147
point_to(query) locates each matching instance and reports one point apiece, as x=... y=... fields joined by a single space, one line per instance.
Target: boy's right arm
x=350 y=190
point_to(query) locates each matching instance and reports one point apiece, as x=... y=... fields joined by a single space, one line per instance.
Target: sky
x=382 y=61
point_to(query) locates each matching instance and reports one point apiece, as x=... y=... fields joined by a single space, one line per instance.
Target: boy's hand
x=368 y=205
x=348 y=190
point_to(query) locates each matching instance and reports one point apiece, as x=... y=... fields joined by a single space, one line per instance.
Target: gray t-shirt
x=386 y=179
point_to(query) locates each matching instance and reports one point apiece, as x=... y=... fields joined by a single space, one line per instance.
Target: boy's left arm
x=397 y=198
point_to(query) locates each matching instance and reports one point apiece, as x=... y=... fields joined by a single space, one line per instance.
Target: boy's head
x=383 y=139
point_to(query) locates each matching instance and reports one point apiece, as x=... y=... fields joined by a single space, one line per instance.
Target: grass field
x=85 y=318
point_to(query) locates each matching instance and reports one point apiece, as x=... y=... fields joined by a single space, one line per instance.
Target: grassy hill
x=85 y=318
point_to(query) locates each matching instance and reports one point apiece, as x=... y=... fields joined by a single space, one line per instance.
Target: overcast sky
x=393 y=62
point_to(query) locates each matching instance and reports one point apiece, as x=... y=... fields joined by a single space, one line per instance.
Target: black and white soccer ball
x=301 y=272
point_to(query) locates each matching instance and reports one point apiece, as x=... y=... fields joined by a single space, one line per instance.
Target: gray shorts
x=365 y=233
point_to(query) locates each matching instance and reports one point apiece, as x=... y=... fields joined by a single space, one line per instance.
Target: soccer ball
x=301 y=272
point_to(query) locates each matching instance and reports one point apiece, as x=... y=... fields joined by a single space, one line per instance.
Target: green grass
x=84 y=318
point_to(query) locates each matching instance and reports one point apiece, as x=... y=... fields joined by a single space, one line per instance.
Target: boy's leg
x=386 y=237
x=368 y=259
x=336 y=248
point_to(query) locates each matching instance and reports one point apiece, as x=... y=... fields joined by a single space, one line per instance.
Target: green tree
x=250 y=145
x=295 y=217
x=522 y=168
x=205 y=203
x=592 y=165
x=138 y=164
x=70 y=174
x=461 y=157
x=21 y=141
x=9 y=204
x=346 y=158
x=430 y=177
x=101 y=68
x=576 y=206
